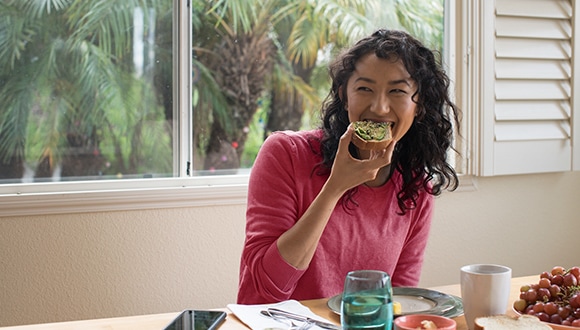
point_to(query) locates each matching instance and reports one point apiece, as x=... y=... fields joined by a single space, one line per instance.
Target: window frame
x=27 y=199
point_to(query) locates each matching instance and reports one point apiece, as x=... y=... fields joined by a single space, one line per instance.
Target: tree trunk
x=221 y=154
x=287 y=107
x=241 y=71
x=286 y=112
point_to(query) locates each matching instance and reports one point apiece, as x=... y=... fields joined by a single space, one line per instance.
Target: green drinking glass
x=367 y=301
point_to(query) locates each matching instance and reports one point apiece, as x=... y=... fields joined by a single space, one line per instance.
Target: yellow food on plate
x=397 y=310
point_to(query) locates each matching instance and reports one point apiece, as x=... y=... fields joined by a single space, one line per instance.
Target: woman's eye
x=363 y=88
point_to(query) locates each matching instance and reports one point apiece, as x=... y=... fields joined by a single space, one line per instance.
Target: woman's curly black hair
x=421 y=155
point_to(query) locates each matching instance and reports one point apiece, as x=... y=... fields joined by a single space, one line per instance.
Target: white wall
x=81 y=266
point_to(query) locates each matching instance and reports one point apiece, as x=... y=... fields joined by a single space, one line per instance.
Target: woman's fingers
x=345 y=141
x=351 y=172
x=385 y=155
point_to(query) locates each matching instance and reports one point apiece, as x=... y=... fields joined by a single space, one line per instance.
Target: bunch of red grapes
x=554 y=299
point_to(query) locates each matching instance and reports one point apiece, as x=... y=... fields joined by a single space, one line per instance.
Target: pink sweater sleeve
x=265 y=275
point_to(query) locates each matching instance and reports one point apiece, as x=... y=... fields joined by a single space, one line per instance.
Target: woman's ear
x=419 y=113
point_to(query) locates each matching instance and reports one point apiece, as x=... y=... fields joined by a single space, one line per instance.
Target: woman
x=318 y=207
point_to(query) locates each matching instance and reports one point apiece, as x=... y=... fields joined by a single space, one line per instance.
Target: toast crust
x=370 y=144
x=504 y=322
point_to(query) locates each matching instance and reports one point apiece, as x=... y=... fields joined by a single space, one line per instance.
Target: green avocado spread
x=369 y=130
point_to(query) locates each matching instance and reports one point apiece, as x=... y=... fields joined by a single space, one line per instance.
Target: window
x=271 y=71
x=87 y=90
x=103 y=112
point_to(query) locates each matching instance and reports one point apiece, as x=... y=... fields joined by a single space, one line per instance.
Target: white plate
x=417 y=300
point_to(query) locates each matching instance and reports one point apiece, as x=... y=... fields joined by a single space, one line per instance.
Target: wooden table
x=158 y=321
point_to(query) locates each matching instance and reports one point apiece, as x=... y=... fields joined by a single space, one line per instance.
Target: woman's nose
x=381 y=105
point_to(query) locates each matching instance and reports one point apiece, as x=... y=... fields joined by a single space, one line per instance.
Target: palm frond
x=210 y=103
x=286 y=81
x=304 y=41
x=238 y=15
x=106 y=23
x=44 y=129
x=422 y=19
x=17 y=99
x=292 y=8
x=15 y=33
x=326 y=21
x=39 y=8
x=347 y=16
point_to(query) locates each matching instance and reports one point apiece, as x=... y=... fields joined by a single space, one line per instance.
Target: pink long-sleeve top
x=372 y=235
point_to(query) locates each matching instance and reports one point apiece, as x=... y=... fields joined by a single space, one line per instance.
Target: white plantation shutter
x=522 y=86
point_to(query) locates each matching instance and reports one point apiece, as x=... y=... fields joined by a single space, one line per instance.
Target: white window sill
x=86 y=197
x=83 y=197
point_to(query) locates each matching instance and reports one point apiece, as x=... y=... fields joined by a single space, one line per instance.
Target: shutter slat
x=530 y=131
x=532 y=69
x=532 y=90
x=522 y=157
x=533 y=28
x=533 y=48
x=532 y=110
x=537 y=8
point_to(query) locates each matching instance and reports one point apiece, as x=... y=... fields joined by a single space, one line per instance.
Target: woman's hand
x=348 y=172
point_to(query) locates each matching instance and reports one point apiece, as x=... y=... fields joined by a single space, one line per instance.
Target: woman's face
x=381 y=90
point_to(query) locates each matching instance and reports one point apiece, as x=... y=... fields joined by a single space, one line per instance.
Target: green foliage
x=256 y=135
x=69 y=83
x=423 y=19
x=312 y=32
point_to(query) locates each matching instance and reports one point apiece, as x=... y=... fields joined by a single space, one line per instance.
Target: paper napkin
x=251 y=316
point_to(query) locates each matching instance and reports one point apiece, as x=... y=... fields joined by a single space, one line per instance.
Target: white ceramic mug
x=485 y=290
